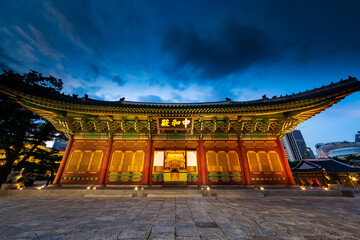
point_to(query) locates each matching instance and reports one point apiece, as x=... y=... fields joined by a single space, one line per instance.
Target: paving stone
x=179 y=218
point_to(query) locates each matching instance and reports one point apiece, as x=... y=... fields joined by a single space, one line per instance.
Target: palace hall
x=212 y=143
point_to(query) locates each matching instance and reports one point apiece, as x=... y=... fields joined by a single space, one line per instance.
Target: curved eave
x=303 y=105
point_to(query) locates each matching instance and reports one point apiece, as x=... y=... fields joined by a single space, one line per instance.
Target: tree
x=47 y=161
x=19 y=126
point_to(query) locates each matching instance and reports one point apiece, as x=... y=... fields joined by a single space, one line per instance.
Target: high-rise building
x=295 y=147
x=357 y=137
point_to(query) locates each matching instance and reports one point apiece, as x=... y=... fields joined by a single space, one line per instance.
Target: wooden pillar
x=105 y=162
x=203 y=164
x=64 y=161
x=284 y=161
x=147 y=163
x=244 y=163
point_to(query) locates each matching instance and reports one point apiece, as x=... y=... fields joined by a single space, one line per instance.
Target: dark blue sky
x=191 y=51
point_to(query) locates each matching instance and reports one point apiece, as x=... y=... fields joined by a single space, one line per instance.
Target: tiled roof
x=330 y=165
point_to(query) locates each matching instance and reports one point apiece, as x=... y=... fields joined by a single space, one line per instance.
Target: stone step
x=186 y=195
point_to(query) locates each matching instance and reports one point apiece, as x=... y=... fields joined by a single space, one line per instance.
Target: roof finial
x=228 y=99
x=122 y=99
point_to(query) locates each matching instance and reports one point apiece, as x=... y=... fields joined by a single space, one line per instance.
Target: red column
x=244 y=163
x=64 y=161
x=285 y=163
x=105 y=162
x=203 y=165
x=147 y=161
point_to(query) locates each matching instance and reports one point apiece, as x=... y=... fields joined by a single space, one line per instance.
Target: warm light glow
x=202 y=188
x=208 y=188
x=326 y=189
x=303 y=188
x=94 y=188
x=88 y=188
x=142 y=188
x=136 y=188
x=262 y=188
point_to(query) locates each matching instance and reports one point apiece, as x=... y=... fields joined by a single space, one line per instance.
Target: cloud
x=4 y=56
x=230 y=48
x=251 y=93
x=150 y=98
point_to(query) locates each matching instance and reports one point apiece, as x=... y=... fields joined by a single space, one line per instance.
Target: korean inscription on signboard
x=174 y=123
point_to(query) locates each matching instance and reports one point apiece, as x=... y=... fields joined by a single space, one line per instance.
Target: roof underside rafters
x=274 y=116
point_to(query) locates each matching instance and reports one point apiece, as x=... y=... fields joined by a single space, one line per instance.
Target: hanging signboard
x=175 y=123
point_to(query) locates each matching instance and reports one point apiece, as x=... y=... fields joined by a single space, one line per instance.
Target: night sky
x=191 y=51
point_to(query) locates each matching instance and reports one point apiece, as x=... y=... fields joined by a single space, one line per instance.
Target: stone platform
x=191 y=191
x=253 y=217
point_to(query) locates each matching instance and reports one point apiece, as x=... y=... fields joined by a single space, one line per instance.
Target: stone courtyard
x=180 y=218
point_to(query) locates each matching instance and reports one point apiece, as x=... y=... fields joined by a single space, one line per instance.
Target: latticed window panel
x=101 y=144
x=223 y=161
x=138 y=161
x=223 y=166
x=141 y=144
x=180 y=144
x=192 y=144
x=128 y=156
x=231 y=144
x=271 y=144
x=209 y=144
x=130 y=144
x=85 y=160
x=275 y=162
x=96 y=161
x=220 y=144
x=78 y=143
x=159 y=144
x=234 y=161
x=90 y=143
x=249 y=144
x=260 y=144
x=74 y=161
x=264 y=162
x=253 y=162
x=211 y=161
x=170 y=144
x=116 y=162
x=118 y=144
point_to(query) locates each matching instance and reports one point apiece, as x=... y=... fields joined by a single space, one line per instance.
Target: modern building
x=337 y=149
x=357 y=137
x=295 y=147
x=321 y=172
x=226 y=142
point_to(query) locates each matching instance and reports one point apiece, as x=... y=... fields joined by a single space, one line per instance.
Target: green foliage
x=19 y=126
x=347 y=158
x=293 y=164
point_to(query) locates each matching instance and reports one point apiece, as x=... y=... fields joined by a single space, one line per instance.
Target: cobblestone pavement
x=179 y=218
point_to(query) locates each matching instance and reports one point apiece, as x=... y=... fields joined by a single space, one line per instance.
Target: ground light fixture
x=94 y=188
x=262 y=188
x=88 y=188
x=136 y=188
x=302 y=188
x=208 y=188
